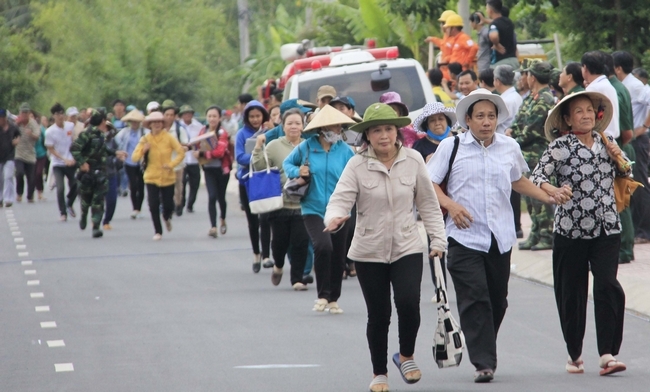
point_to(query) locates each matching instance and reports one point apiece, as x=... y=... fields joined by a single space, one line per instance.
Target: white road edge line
x=278 y=366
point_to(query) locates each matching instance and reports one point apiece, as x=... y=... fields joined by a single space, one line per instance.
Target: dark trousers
x=375 y=279
x=329 y=257
x=216 y=182
x=92 y=198
x=640 y=201
x=571 y=262
x=136 y=186
x=59 y=173
x=289 y=236
x=481 y=283
x=41 y=166
x=256 y=224
x=515 y=202
x=111 y=197
x=157 y=196
x=25 y=170
x=191 y=176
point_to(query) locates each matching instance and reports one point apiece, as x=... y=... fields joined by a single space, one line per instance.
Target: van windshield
x=404 y=80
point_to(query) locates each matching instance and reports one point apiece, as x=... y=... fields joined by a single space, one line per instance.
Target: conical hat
x=133 y=115
x=328 y=116
x=555 y=125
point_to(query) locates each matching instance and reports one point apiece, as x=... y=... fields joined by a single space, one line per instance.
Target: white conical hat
x=328 y=116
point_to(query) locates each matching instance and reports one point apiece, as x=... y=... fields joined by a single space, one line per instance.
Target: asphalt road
x=188 y=314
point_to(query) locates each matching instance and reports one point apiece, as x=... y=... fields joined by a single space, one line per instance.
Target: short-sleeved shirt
x=506 y=30
x=484 y=49
x=61 y=140
x=625 y=115
x=603 y=86
x=425 y=147
x=7 y=149
x=640 y=101
x=481 y=181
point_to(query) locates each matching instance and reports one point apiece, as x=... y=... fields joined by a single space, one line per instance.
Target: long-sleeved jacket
x=325 y=170
x=528 y=126
x=160 y=153
x=215 y=152
x=277 y=151
x=463 y=50
x=243 y=158
x=92 y=147
x=386 y=228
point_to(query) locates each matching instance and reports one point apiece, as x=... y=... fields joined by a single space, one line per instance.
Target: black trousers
x=640 y=201
x=289 y=235
x=515 y=202
x=329 y=257
x=571 y=261
x=191 y=176
x=481 y=283
x=258 y=226
x=156 y=196
x=216 y=182
x=61 y=172
x=405 y=275
x=25 y=170
x=136 y=186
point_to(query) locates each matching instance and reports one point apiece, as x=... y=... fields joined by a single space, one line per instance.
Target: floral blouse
x=590 y=174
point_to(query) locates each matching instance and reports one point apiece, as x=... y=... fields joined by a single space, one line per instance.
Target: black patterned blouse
x=590 y=174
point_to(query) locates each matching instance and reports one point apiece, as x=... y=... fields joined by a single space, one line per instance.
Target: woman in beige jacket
x=387 y=181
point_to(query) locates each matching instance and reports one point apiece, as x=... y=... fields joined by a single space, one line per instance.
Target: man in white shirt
x=594 y=74
x=504 y=77
x=58 y=140
x=480 y=225
x=174 y=127
x=192 y=171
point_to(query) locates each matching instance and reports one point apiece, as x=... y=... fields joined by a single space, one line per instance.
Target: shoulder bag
x=264 y=188
x=295 y=189
x=448 y=339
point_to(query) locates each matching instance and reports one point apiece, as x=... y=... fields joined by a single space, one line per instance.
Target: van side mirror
x=380 y=80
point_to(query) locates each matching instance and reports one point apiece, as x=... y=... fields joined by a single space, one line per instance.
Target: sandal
x=379 y=384
x=405 y=368
x=483 y=376
x=224 y=227
x=611 y=365
x=320 y=305
x=333 y=308
x=575 y=367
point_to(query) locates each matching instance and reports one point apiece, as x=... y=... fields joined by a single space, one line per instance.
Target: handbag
x=624 y=187
x=448 y=339
x=264 y=188
x=452 y=158
x=295 y=189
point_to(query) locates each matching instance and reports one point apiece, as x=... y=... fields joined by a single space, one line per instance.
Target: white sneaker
x=299 y=287
x=157 y=237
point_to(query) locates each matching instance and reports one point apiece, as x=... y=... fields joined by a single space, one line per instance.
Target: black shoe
x=622 y=261
x=179 y=211
x=268 y=263
x=190 y=210
x=257 y=267
x=83 y=221
x=307 y=279
x=97 y=233
x=520 y=233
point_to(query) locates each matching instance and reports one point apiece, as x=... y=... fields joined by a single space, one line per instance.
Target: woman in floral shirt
x=587 y=228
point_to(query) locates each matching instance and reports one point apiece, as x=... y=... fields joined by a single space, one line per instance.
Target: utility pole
x=244 y=39
x=463 y=11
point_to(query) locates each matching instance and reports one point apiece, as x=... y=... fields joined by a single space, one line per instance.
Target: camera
x=476 y=17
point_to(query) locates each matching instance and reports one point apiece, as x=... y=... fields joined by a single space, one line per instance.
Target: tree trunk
x=244 y=39
x=620 y=28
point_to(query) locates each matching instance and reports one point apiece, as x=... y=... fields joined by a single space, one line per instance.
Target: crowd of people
x=561 y=138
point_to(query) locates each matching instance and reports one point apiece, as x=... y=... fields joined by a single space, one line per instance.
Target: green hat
x=169 y=104
x=525 y=63
x=24 y=107
x=186 y=109
x=540 y=68
x=380 y=114
x=96 y=117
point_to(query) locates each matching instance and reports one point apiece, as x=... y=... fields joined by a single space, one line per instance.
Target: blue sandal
x=406 y=367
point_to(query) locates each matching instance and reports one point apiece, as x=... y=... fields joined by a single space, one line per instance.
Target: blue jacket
x=274 y=133
x=325 y=169
x=244 y=159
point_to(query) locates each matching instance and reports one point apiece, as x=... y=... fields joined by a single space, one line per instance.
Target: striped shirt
x=481 y=181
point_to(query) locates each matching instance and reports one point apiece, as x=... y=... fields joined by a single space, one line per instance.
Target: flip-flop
x=379 y=380
x=223 y=228
x=483 y=376
x=406 y=367
x=575 y=367
x=617 y=367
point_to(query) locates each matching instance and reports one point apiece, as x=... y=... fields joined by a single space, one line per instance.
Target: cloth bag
x=264 y=188
x=295 y=189
x=448 y=339
x=624 y=187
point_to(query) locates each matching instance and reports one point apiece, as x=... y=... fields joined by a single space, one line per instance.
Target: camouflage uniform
x=528 y=131
x=91 y=148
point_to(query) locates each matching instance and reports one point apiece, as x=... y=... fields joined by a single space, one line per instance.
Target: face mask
x=439 y=137
x=331 y=137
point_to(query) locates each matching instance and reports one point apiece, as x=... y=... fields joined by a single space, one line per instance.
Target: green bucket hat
x=186 y=109
x=169 y=104
x=24 y=107
x=380 y=114
x=525 y=63
x=540 y=68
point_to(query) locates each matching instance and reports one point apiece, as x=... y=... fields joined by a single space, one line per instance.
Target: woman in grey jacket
x=386 y=181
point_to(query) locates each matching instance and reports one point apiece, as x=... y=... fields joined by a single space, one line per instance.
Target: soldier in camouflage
x=91 y=152
x=528 y=130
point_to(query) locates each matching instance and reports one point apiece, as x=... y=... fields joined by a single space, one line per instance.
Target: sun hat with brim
x=380 y=114
x=480 y=94
x=154 y=116
x=420 y=124
x=133 y=115
x=186 y=109
x=328 y=116
x=555 y=126
x=393 y=98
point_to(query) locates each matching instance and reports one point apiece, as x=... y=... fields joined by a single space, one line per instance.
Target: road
x=188 y=314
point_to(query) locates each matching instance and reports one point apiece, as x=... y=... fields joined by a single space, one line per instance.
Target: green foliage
x=19 y=73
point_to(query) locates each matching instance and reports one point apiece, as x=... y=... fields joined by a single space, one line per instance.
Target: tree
x=20 y=75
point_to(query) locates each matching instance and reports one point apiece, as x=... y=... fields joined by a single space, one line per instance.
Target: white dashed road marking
x=42 y=308
x=55 y=343
x=19 y=240
x=23 y=254
x=37 y=295
x=26 y=262
x=63 y=367
x=15 y=233
x=21 y=247
x=33 y=282
x=48 y=324
x=30 y=272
